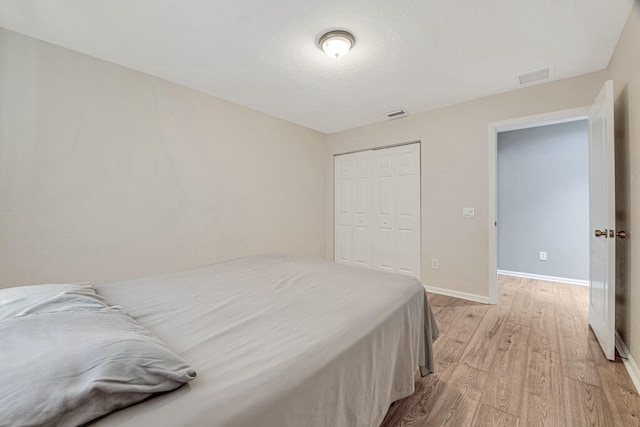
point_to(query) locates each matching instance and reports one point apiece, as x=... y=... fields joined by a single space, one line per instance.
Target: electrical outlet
x=468 y=212
x=434 y=263
x=543 y=256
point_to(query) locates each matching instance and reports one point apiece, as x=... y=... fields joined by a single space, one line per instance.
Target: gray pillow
x=74 y=360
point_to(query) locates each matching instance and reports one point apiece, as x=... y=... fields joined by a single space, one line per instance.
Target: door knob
x=599 y=233
x=621 y=234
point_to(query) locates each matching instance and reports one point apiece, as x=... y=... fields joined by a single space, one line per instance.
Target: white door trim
x=555 y=117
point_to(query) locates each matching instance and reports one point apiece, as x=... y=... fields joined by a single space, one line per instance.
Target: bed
x=280 y=341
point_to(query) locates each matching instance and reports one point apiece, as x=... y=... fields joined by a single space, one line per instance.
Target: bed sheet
x=281 y=341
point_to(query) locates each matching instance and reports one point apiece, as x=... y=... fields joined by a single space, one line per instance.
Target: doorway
x=543 y=202
x=602 y=207
x=529 y=122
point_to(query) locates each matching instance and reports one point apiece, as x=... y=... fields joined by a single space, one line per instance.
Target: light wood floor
x=529 y=360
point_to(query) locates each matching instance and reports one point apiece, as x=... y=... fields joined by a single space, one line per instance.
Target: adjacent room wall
x=455 y=172
x=624 y=70
x=108 y=173
x=543 y=200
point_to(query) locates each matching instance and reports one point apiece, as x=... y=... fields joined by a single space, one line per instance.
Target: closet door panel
x=408 y=209
x=362 y=254
x=384 y=201
x=344 y=183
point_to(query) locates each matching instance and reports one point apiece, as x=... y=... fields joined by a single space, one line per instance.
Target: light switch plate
x=468 y=212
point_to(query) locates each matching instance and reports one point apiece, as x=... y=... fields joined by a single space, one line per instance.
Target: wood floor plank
x=541 y=405
x=438 y=302
x=522 y=308
x=580 y=370
x=572 y=330
x=447 y=354
x=501 y=391
x=413 y=410
x=449 y=315
x=583 y=404
x=488 y=416
x=622 y=403
x=468 y=321
x=508 y=288
x=544 y=333
x=481 y=350
x=581 y=298
x=564 y=299
x=597 y=354
x=470 y=380
x=512 y=369
x=455 y=408
x=617 y=371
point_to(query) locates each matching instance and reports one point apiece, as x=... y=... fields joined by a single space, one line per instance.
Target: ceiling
x=412 y=54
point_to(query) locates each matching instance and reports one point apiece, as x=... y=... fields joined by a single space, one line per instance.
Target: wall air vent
x=396 y=114
x=534 y=76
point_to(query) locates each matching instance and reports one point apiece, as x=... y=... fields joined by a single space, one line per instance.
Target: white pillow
x=69 y=358
x=24 y=300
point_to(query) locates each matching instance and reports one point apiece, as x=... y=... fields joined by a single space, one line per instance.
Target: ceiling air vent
x=396 y=114
x=534 y=76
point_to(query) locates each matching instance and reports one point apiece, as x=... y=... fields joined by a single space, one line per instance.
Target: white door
x=377 y=209
x=343 y=205
x=396 y=209
x=352 y=205
x=361 y=209
x=384 y=210
x=602 y=220
x=408 y=209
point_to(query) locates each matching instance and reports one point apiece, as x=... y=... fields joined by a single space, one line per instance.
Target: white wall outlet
x=468 y=212
x=543 y=256
x=434 y=263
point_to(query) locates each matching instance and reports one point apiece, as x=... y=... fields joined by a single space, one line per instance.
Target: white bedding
x=281 y=341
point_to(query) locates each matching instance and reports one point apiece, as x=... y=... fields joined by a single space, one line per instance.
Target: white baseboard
x=457 y=294
x=629 y=363
x=542 y=277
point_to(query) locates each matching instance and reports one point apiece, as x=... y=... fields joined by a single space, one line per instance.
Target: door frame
x=555 y=117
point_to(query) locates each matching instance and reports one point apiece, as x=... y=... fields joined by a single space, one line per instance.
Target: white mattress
x=281 y=341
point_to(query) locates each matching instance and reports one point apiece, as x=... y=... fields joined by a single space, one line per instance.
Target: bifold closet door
x=352 y=209
x=377 y=209
x=396 y=209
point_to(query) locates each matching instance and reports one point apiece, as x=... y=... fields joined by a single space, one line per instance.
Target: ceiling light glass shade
x=337 y=43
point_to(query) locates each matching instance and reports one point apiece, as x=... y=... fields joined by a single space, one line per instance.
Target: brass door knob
x=600 y=233
x=621 y=234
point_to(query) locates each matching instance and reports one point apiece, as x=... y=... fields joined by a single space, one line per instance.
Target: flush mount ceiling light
x=336 y=43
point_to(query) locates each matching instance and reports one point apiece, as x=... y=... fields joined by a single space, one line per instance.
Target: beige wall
x=106 y=173
x=624 y=70
x=455 y=172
